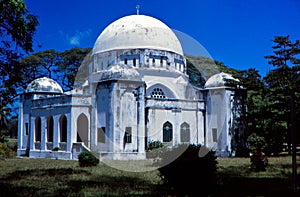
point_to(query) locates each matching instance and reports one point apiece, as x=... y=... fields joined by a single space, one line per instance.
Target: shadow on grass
x=229 y=185
x=75 y=182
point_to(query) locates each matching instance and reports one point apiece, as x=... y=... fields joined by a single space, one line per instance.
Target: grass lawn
x=46 y=177
x=236 y=179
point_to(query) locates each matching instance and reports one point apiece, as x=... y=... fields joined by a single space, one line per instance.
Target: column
x=43 y=133
x=56 y=132
x=69 y=132
x=20 y=126
x=141 y=120
x=32 y=133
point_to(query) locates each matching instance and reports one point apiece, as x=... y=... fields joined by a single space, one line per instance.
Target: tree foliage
x=17 y=27
x=71 y=60
x=60 y=66
x=283 y=90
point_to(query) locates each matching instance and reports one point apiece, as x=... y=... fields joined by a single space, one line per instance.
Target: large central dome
x=137 y=32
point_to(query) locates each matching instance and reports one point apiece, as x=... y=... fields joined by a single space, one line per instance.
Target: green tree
x=283 y=88
x=256 y=102
x=195 y=77
x=69 y=65
x=17 y=27
x=60 y=66
x=40 y=64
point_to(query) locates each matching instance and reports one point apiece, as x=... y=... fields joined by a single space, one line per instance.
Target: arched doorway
x=38 y=129
x=50 y=124
x=82 y=129
x=63 y=128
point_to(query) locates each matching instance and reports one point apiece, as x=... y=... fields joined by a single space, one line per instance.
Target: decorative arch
x=50 y=126
x=63 y=128
x=38 y=129
x=82 y=129
x=159 y=91
x=167 y=132
x=185 y=132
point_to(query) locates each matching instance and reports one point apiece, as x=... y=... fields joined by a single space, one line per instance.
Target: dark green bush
x=258 y=160
x=256 y=142
x=189 y=174
x=8 y=149
x=87 y=159
x=155 y=149
x=154 y=145
x=13 y=146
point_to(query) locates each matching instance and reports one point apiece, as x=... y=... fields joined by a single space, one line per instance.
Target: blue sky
x=236 y=32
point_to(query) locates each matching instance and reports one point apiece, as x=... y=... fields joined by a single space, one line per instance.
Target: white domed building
x=137 y=91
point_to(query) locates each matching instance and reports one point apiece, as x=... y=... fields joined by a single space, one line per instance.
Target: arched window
x=161 y=60
x=50 y=129
x=134 y=62
x=82 y=129
x=125 y=61
x=185 y=132
x=167 y=132
x=158 y=93
x=38 y=129
x=63 y=128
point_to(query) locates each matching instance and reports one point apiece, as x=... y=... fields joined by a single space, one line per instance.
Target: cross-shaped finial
x=137 y=9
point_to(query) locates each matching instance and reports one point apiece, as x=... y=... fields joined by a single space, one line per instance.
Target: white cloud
x=76 y=39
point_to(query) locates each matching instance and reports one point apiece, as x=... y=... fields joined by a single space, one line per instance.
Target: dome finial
x=137 y=9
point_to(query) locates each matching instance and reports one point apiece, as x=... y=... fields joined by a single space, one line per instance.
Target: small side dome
x=219 y=80
x=117 y=72
x=44 y=85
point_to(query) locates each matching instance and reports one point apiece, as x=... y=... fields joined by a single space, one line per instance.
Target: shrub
x=87 y=159
x=13 y=146
x=154 y=145
x=155 y=149
x=256 y=142
x=8 y=150
x=189 y=172
x=56 y=149
x=258 y=160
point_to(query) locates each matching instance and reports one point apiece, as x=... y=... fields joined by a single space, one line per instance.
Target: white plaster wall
x=103 y=115
x=218 y=116
x=25 y=137
x=144 y=59
x=157 y=117
x=176 y=84
x=75 y=113
x=128 y=118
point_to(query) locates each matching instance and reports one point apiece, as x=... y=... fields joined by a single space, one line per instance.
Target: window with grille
x=128 y=136
x=167 y=132
x=185 y=132
x=158 y=93
x=26 y=128
x=215 y=134
x=101 y=135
